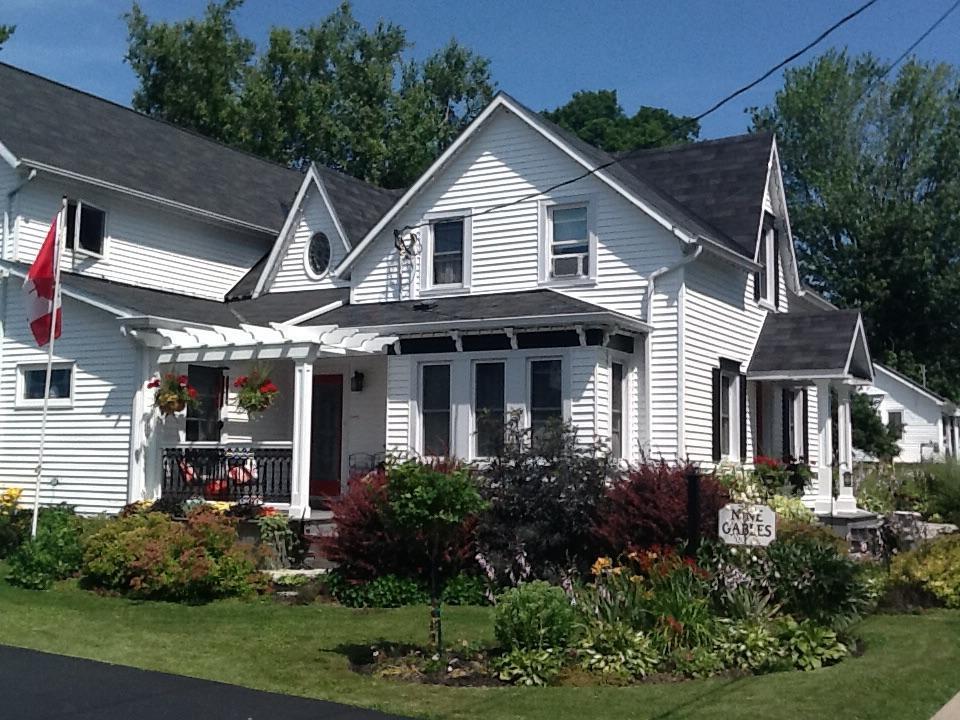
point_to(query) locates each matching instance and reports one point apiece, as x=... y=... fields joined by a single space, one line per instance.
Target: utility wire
x=913 y=46
x=689 y=121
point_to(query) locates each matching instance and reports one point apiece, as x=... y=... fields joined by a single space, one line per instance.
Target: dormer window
x=318 y=255
x=86 y=227
x=446 y=257
x=767 y=279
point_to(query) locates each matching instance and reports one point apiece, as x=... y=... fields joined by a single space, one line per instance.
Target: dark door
x=326 y=435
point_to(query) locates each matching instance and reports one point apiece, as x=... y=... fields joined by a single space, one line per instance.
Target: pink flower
x=182 y=380
x=155 y=383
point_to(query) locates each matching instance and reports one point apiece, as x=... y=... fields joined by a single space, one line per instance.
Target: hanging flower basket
x=255 y=392
x=172 y=394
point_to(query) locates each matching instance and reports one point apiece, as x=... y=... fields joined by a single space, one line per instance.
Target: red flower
x=182 y=380
x=764 y=461
x=268 y=387
x=192 y=392
x=240 y=381
x=155 y=383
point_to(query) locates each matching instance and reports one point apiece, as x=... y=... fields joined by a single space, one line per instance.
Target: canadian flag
x=41 y=290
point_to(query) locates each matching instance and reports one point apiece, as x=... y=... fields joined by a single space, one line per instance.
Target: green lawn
x=910 y=668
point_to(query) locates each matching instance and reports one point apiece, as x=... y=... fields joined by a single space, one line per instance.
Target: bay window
x=489 y=407
x=435 y=410
x=546 y=394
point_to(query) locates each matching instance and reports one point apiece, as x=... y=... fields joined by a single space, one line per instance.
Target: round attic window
x=318 y=254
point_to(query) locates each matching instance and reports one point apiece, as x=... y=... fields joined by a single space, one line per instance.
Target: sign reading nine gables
x=742 y=524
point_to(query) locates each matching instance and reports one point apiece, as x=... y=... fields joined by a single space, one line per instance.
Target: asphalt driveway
x=40 y=686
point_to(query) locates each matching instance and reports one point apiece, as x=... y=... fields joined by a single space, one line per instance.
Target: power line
x=920 y=39
x=689 y=121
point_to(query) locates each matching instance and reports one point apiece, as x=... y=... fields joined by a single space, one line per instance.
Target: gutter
x=8 y=211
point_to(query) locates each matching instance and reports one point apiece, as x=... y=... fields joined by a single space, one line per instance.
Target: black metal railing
x=228 y=473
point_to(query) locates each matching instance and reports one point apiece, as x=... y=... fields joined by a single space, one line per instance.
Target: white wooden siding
x=144 y=245
x=664 y=363
x=505 y=161
x=399 y=398
x=291 y=274
x=589 y=394
x=87 y=449
x=921 y=418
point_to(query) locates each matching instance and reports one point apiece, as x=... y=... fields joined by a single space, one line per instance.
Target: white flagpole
x=54 y=304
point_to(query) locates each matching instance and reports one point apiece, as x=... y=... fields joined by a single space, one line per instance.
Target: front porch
x=324 y=426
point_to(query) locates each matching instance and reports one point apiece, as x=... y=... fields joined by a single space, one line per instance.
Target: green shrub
x=698 y=662
x=465 y=589
x=749 y=645
x=809 y=646
x=537 y=666
x=933 y=567
x=534 y=616
x=152 y=556
x=386 y=591
x=55 y=554
x=617 y=650
x=943 y=490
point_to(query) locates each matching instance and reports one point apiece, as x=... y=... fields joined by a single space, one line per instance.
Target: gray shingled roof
x=493 y=306
x=56 y=125
x=274 y=307
x=721 y=181
x=815 y=341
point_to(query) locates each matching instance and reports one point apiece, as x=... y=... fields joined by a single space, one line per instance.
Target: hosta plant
x=615 y=649
x=530 y=667
x=809 y=646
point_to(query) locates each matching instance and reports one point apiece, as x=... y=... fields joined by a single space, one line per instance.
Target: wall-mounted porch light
x=356 y=382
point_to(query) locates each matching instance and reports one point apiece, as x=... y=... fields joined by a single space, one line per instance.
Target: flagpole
x=54 y=304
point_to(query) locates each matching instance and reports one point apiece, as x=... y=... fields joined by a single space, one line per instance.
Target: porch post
x=302 y=416
x=846 y=503
x=144 y=460
x=955 y=429
x=823 y=502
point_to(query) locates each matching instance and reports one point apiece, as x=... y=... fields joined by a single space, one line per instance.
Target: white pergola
x=165 y=342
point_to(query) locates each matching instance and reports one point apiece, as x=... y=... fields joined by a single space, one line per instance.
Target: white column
x=823 y=501
x=141 y=417
x=846 y=503
x=302 y=426
x=955 y=428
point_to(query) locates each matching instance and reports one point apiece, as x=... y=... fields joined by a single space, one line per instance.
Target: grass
x=910 y=668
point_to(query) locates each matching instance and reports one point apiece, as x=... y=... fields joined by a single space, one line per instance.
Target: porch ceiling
x=196 y=342
x=812 y=346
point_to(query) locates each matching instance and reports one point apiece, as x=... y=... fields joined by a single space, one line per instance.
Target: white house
x=929 y=424
x=652 y=300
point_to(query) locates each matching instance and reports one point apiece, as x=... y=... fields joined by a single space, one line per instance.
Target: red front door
x=326 y=435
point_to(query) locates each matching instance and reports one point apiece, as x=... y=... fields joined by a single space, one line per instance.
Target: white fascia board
x=798 y=375
x=182 y=207
x=859 y=334
x=329 y=203
x=724 y=253
x=773 y=168
x=316 y=312
x=503 y=100
x=83 y=297
x=907 y=383
x=526 y=321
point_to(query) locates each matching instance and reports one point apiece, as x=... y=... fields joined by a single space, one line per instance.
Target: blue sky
x=678 y=54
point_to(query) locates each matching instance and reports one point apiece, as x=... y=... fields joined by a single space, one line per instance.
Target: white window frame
x=796 y=413
x=474 y=440
x=621 y=452
x=546 y=209
x=78 y=251
x=733 y=404
x=565 y=398
x=34 y=403
x=307 y=267
x=427 y=286
x=421 y=437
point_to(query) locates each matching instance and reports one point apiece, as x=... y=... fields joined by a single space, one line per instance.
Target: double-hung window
x=895 y=423
x=448 y=251
x=489 y=407
x=616 y=409
x=203 y=421
x=546 y=395
x=568 y=241
x=729 y=411
x=768 y=277
x=727 y=401
x=33 y=380
x=435 y=410
x=86 y=226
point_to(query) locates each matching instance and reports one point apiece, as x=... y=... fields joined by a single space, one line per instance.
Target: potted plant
x=255 y=392
x=172 y=393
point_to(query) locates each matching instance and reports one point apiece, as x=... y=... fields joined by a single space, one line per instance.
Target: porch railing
x=228 y=473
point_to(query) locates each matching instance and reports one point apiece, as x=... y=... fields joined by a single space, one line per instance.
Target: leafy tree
x=869 y=433
x=334 y=92
x=597 y=117
x=5 y=32
x=432 y=502
x=872 y=172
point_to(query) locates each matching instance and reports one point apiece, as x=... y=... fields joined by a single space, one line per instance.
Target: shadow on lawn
x=710 y=695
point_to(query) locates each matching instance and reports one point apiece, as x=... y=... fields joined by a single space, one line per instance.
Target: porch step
x=313 y=532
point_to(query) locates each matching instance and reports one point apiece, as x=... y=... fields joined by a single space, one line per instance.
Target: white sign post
x=752 y=525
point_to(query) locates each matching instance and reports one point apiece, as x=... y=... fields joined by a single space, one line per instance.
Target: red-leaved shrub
x=366 y=545
x=648 y=506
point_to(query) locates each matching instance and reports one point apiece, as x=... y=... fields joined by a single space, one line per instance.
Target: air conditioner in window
x=569 y=265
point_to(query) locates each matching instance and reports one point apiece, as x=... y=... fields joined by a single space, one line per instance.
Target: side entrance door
x=326 y=435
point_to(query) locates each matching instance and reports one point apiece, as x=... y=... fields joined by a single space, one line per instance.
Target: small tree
x=433 y=502
x=869 y=432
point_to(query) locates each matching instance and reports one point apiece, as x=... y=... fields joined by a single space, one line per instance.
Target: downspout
x=688 y=258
